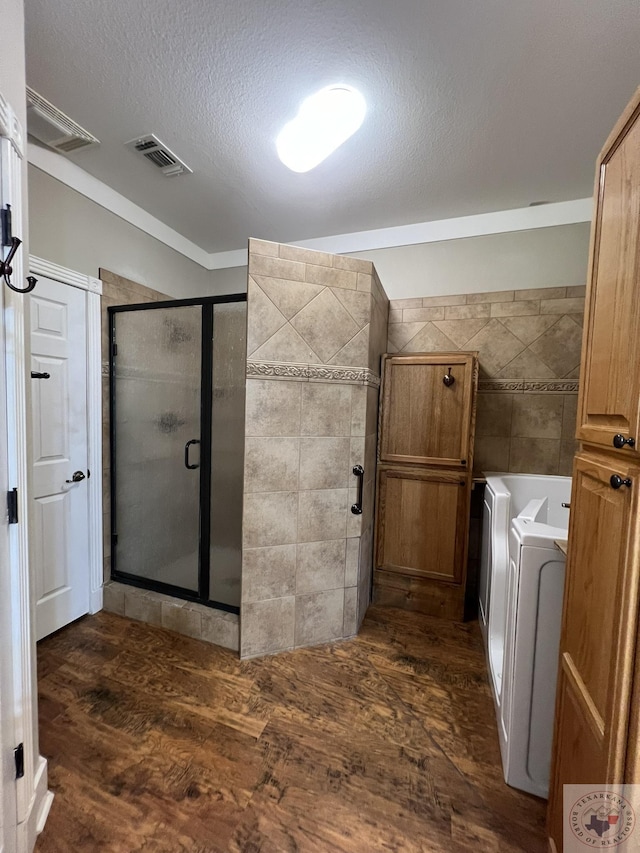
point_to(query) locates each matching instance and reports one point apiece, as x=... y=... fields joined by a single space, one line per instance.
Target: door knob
x=619 y=441
x=617 y=481
x=76 y=477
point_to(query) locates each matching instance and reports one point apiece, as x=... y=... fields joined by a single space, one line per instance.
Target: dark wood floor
x=388 y=742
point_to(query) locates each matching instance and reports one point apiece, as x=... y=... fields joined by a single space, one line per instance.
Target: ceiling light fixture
x=325 y=120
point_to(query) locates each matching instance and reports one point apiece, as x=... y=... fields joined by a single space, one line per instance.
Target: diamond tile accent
x=264 y=318
x=357 y=303
x=325 y=325
x=529 y=329
x=288 y=296
x=560 y=346
x=287 y=345
x=429 y=339
x=497 y=347
x=460 y=331
x=355 y=352
x=401 y=333
x=527 y=365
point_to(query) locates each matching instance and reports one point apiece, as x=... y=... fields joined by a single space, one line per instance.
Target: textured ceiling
x=473 y=106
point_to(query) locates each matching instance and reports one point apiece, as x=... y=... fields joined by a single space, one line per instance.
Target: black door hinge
x=18 y=754
x=114 y=539
x=12 y=505
x=114 y=349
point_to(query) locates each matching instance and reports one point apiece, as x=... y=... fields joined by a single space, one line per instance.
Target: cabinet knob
x=619 y=441
x=617 y=481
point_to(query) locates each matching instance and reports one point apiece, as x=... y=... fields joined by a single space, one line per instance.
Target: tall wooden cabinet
x=425 y=460
x=597 y=708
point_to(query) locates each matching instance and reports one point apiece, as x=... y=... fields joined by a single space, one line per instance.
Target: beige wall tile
x=494 y=414
x=324 y=462
x=578 y=292
x=401 y=304
x=401 y=333
x=358 y=304
x=276 y=267
x=467 y=312
x=218 y=628
x=355 y=353
x=491 y=453
x=373 y=396
x=263 y=247
x=359 y=410
x=343 y=262
x=320 y=566
x=138 y=605
x=322 y=515
x=330 y=277
x=326 y=408
x=263 y=318
x=562 y=306
x=288 y=346
x=491 y=296
x=528 y=329
x=350 y=618
x=267 y=626
x=271 y=464
x=560 y=346
x=428 y=301
x=542 y=293
x=496 y=345
x=355 y=522
x=534 y=455
x=460 y=331
x=175 y=617
x=527 y=366
x=268 y=572
x=352 y=561
x=289 y=297
x=419 y=315
x=270 y=518
x=569 y=416
x=357 y=456
x=395 y=316
x=428 y=339
x=305 y=256
x=319 y=617
x=113 y=598
x=365 y=282
x=537 y=415
x=273 y=408
x=568 y=450
x=325 y=325
x=515 y=309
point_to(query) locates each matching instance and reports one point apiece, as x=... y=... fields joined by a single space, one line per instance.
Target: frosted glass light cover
x=324 y=122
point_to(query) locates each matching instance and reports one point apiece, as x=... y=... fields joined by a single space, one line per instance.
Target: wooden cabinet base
x=419 y=594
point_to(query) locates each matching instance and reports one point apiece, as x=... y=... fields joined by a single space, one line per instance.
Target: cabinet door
x=598 y=631
x=610 y=382
x=425 y=419
x=422 y=523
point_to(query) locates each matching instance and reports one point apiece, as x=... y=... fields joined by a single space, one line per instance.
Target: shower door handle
x=186 y=454
x=358 y=471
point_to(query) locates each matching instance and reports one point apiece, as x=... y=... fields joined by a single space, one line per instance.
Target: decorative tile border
x=555 y=386
x=313 y=373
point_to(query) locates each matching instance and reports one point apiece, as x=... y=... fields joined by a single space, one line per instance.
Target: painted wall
x=543 y=257
x=69 y=229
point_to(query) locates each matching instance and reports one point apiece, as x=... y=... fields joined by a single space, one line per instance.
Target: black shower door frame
x=206 y=401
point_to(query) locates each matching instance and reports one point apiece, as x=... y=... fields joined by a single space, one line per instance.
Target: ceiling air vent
x=51 y=126
x=156 y=152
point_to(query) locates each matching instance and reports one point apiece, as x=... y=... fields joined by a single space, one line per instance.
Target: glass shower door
x=156 y=396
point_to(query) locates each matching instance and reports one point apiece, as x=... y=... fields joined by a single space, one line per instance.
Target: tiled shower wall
x=529 y=343
x=316 y=331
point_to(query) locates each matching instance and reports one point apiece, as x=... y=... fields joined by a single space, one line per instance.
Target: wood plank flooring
x=387 y=742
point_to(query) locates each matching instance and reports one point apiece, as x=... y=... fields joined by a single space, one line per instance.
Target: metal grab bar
x=356 y=508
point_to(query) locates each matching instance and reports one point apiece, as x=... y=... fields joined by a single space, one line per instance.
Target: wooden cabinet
x=598 y=700
x=423 y=420
x=610 y=402
x=427 y=416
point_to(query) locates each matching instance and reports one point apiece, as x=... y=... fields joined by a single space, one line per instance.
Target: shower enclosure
x=177 y=383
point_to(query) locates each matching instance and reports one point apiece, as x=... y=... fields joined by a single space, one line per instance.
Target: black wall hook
x=448 y=379
x=6 y=270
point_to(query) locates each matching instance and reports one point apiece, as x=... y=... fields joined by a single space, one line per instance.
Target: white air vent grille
x=51 y=126
x=156 y=152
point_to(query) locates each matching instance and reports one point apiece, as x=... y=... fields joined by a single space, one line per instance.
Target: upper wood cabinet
x=610 y=380
x=426 y=419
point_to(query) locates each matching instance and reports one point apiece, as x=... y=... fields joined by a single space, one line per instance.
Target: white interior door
x=8 y=813
x=60 y=507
